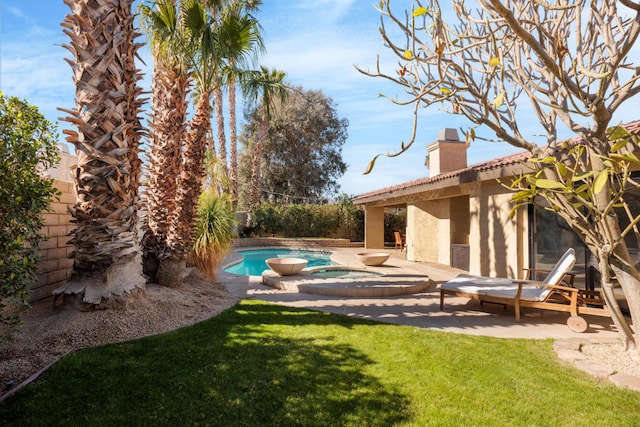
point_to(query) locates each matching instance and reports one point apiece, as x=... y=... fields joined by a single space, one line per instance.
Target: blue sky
x=316 y=42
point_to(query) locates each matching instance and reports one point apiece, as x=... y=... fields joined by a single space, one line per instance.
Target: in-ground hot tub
x=339 y=272
x=345 y=281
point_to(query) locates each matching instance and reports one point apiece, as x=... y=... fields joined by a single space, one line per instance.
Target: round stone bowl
x=286 y=266
x=372 y=258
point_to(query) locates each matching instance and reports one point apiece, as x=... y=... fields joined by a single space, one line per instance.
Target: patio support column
x=374 y=227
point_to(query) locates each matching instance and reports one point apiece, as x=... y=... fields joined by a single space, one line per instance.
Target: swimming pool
x=253 y=262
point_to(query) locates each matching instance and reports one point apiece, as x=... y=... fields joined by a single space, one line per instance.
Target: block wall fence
x=55 y=264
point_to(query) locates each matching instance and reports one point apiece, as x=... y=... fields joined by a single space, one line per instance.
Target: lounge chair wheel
x=577 y=324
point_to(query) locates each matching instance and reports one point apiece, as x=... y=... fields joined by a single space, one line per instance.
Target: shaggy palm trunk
x=189 y=186
x=167 y=127
x=107 y=264
x=233 y=143
x=222 y=139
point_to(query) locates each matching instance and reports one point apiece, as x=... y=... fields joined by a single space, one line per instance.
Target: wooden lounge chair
x=399 y=243
x=555 y=292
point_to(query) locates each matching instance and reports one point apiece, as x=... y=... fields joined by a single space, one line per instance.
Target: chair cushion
x=505 y=288
x=564 y=264
x=493 y=287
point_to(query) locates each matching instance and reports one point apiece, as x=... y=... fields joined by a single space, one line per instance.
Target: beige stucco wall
x=428 y=231
x=374 y=227
x=497 y=241
x=446 y=157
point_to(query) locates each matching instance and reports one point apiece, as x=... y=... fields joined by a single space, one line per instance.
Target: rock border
x=568 y=350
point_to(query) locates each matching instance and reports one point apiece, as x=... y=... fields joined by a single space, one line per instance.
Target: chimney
x=447 y=154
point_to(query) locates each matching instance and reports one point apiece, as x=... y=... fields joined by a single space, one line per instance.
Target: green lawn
x=262 y=364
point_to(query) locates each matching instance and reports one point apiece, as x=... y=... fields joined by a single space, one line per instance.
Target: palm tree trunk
x=254 y=195
x=107 y=264
x=222 y=139
x=233 y=143
x=189 y=186
x=167 y=127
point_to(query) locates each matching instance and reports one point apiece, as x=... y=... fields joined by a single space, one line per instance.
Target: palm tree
x=246 y=44
x=198 y=27
x=107 y=118
x=266 y=87
x=238 y=37
x=167 y=125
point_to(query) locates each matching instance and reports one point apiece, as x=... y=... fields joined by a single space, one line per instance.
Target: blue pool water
x=253 y=263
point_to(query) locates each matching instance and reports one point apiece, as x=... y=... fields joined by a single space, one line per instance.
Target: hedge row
x=340 y=221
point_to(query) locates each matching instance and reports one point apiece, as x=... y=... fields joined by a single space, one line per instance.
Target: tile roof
x=497 y=163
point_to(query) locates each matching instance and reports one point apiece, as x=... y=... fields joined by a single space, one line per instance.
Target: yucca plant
x=215 y=229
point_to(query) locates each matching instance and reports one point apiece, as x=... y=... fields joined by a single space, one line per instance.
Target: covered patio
x=459 y=215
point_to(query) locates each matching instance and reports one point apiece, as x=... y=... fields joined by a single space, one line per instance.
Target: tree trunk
x=189 y=186
x=167 y=126
x=254 y=195
x=608 y=228
x=107 y=140
x=233 y=143
x=626 y=333
x=171 y=271
x=108 y=288
x=629 y=280
x=222 y=139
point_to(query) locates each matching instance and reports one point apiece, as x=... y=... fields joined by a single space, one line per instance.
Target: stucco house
x=459 y=216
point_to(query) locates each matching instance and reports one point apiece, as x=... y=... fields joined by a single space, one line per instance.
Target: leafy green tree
x=302 y=154
x=27 y=147
x=574 y=64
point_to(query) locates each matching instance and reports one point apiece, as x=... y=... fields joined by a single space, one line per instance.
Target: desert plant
x=215 y=225
x=27 y=147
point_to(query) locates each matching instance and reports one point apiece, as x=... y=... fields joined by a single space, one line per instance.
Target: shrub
x=266 y=219
x=341 y=220
x=27 y=147
x=394 y=221
x=215 y=224
x=351 y=225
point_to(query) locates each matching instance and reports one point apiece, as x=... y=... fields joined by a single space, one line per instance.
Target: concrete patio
x=460 y=315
